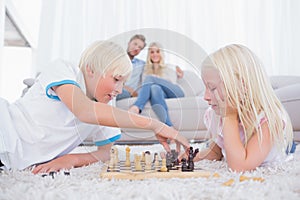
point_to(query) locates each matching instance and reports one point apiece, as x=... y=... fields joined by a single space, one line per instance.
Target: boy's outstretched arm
x=103 y=114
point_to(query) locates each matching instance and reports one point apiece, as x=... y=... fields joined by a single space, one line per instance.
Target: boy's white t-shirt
x=44 y=128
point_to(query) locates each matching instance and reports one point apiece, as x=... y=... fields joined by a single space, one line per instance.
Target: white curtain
x=269 y=27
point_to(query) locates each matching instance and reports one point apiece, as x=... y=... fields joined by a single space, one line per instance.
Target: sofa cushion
x=191 y=84
x=290 y=98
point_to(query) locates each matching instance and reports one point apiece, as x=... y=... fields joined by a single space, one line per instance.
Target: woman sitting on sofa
x=159 y=83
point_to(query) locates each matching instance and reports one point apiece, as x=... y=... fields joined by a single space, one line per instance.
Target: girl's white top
x=214 y=125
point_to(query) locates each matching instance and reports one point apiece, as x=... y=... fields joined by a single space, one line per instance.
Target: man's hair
x=140 y=37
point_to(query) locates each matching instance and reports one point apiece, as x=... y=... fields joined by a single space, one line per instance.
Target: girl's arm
x=213 y=152
x=239 y=157
x=242 y=158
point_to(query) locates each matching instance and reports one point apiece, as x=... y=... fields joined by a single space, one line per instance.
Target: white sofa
x=287 y=88
x=187 y=113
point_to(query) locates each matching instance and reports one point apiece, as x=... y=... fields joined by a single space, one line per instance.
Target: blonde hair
x=149 y=64
x=102 y=56
x=249 y=91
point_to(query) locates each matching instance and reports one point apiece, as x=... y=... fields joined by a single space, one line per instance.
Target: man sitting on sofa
x=135 y=45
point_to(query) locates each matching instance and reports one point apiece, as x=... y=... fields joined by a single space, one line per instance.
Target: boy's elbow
x=85 y=117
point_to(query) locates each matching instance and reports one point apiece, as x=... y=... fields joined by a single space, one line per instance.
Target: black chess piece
x=184 y=167
x=192 y=155
x=172 y=160
x=169 y=160
x=52 y=174
x=67 y=173
x=190 y=159
x=195 y=152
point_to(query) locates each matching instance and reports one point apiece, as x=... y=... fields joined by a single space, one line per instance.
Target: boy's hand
x=166 y=133
x=64 y=162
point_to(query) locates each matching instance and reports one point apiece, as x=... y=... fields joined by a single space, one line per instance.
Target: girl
x=248 y=123
x=66 y=105
x=159 y=83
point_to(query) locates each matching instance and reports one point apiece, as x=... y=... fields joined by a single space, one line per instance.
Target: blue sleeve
x=51 y=95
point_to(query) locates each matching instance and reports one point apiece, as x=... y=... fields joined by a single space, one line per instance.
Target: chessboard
x=129 y=173
x=149 y=166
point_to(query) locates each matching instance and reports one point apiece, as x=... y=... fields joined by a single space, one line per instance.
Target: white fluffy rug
x=281 y=182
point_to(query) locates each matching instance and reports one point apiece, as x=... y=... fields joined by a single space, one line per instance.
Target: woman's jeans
x=156 y=90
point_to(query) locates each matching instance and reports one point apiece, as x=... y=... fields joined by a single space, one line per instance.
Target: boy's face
x=213 y=85
x=108 y=87
x=134 y=47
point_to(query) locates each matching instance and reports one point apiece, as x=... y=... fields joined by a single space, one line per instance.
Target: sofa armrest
x=283 y=81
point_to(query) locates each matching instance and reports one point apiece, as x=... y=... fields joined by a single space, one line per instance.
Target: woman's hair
x=249 y=91
x=149 y=64
x=102 y=56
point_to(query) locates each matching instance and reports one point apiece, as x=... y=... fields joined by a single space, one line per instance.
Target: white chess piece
x=148 y=161
x=163 y=165
x=138 y=166
x=127 y=162
x=156 y=161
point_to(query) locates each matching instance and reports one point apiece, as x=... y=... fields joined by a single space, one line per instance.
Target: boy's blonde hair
x=102 y=56
x=249 y=90
x=149 y=64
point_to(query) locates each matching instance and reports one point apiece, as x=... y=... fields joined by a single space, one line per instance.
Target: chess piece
x=143 y=157
x=116 y=155
x=183 y=165
x=156 y=161
x=148 y=163
x=169 y=160
x=172 y=159
x=111 y=164
x=138 y=166
x=191 y=159
x=127 y=161
x=164 y=165
x=195 y=152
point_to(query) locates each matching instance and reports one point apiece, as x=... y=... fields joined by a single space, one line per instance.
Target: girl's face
x=155 y=54
x=213 y=86
x=108 y=87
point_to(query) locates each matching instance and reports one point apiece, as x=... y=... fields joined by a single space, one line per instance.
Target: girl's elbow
x=238 y=167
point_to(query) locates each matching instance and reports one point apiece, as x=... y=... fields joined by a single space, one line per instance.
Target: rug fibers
x=280 y=182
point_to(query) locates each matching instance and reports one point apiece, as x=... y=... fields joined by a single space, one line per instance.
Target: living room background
x=269 y=27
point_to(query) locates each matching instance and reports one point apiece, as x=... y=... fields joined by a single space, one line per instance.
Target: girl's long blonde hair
x=249 y=91
x=149 y=64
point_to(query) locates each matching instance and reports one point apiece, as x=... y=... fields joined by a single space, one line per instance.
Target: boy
x=66 y=105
